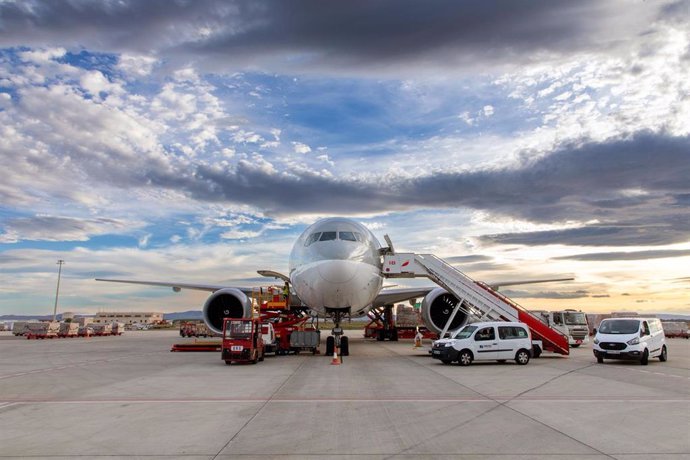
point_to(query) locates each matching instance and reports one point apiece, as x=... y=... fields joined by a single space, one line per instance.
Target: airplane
x=335 y=270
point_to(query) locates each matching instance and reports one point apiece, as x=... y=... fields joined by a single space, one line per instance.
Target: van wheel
x=465 y=358
x=522 y=357
x=645 y=358
x=664 y=354
x=600 y=359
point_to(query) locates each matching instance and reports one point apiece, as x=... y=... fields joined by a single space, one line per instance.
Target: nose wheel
x=337 y=342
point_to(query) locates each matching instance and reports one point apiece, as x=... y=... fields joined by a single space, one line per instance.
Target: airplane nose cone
x=338 y=271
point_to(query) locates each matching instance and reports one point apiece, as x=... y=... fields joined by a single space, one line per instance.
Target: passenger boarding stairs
x=477 y=299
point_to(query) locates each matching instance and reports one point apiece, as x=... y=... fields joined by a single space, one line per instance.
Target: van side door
x=485 y=343
x=510 y=340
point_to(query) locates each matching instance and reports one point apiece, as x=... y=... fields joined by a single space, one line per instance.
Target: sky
x=193 y=141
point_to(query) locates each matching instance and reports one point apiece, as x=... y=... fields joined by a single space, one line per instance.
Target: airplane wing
x=177 y=287
x=393 y=295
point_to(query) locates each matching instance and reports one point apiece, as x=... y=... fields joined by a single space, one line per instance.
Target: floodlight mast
x=57 y=290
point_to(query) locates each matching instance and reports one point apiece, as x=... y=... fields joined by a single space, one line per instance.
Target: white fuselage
x=335 y=265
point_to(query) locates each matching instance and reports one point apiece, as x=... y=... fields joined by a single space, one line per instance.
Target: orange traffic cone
x=336 y=360
x=417 y=342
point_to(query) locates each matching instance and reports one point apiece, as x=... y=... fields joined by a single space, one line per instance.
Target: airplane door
x=486 y=343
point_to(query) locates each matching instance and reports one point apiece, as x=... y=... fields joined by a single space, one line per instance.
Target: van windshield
x=465 y=332
x=619 y=326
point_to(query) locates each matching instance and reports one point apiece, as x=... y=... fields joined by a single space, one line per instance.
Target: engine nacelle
x=226 y=303
x=437 y=307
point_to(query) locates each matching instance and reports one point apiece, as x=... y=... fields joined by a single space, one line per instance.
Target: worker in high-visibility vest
x=418 y=339
x=286 y=291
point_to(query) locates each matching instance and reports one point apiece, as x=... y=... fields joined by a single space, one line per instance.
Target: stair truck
x=242 y=341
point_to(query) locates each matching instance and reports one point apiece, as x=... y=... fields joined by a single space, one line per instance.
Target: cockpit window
x=314 y=237
x=347 y=236
x=328 y=236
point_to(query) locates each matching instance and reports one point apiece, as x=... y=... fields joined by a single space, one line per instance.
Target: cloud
x=633 y=255
x=57 y=228
x=545 y=294
x=301 y=148
x=305 y=35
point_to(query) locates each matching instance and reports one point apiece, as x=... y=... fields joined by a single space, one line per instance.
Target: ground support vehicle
x=242 y=341
x=268 y=333
x=117 y=328
x=383 y=327
x=195 y=329
x=305 y=340
x=486 y=341
x=474 y=298
x=675 y=329
x=85 y=331
x=635 y=338
x=45 y=330
x=571 y=323
x=285 y=320
x=102 y=329
x=18 y=328
x=68 y=330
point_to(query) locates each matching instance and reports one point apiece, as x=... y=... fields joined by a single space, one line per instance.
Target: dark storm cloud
x=304 y=34
x=555 y=187
x=636 y=255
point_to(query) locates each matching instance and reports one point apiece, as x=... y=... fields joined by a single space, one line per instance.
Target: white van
x=488 y=341
x=630 y=338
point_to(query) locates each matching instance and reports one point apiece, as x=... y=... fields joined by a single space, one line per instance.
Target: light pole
x=57 y=290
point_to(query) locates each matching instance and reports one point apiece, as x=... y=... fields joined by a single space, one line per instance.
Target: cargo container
x=46 y=330
x=68 y=330
x=305 y=341
x=102 y=329
x=675 y=329
x=117 y=328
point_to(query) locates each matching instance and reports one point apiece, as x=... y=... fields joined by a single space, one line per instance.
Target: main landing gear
x=337 y=341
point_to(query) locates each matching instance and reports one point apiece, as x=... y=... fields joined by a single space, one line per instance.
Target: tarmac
x=130 y=397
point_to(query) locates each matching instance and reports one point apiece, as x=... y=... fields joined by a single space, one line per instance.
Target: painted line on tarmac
x=336 y=400
x=657 y=373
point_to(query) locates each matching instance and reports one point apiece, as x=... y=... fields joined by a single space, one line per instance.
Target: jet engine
x=437 y=307
x=226 y=303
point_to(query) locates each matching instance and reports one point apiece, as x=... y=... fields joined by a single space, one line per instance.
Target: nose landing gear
x=337 y=342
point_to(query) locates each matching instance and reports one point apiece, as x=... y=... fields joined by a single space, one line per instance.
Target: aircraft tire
x=344 y=346
x=330 y=346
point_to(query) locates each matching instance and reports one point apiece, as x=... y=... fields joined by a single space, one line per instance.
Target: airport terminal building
x=128 y=317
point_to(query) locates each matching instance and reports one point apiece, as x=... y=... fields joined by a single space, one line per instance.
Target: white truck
x=269 y=336
x=572 y=323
